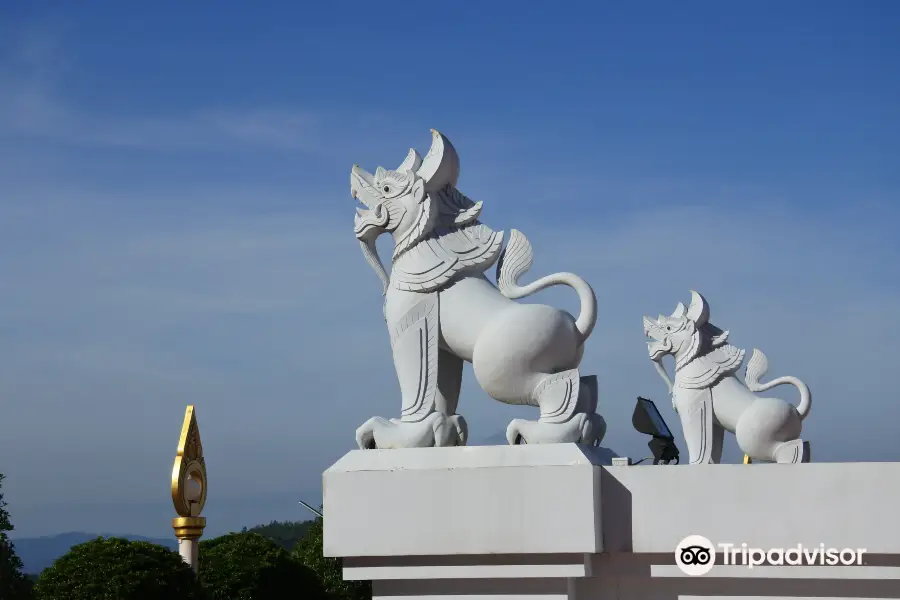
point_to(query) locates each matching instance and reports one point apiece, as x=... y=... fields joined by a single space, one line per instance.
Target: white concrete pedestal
x=550 y=522
x=477 y=522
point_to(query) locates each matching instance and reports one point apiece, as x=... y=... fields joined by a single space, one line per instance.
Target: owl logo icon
x=695 y=555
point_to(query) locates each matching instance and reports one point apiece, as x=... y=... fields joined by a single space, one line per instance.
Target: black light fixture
x=647 y=420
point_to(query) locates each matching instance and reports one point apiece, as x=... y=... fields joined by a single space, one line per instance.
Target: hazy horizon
x=176 y=224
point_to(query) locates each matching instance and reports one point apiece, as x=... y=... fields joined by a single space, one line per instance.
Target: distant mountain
x=39 y=553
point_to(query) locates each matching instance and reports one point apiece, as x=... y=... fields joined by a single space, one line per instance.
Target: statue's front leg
x=414 y=339
x=703 y=439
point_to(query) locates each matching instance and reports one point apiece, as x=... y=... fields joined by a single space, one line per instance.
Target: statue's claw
x=582 y=428
x=434 y=430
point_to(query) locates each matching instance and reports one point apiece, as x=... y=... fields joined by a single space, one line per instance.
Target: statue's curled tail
x=518 y=257
x=757 y=368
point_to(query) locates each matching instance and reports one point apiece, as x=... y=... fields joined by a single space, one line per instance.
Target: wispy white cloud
x=32 y=77
x=35 y=67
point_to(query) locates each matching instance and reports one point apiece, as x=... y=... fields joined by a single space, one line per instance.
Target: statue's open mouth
x=369 y=221
x=658 y=345
x=656 y=350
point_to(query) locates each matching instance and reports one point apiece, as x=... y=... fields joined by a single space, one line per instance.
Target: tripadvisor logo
x=696 y=555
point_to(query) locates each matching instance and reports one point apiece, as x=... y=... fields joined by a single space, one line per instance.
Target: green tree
x=330 y=570
x=118 y=569
x=248 y=566
x=13 y=584
x=284 y=533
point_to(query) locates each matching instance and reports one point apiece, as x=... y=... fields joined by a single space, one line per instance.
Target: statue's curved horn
x=412 y=162
x=680 y=311
x=698 y=311
x=441 y=164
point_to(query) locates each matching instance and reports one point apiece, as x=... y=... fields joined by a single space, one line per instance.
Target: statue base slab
x=554 y=521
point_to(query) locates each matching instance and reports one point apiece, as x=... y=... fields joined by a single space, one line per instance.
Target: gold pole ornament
x=747 y=459
x=189 y=489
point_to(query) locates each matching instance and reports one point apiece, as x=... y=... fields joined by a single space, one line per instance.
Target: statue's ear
x=418 y=191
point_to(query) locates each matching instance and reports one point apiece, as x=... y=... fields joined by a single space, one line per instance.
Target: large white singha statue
x=441 y=310
x=709 y=398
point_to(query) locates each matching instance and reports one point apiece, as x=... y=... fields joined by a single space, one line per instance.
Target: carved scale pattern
x=707 y=370
x=432 y=263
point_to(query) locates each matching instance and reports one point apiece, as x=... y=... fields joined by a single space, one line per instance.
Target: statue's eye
x=668 y=328
x=386 y=189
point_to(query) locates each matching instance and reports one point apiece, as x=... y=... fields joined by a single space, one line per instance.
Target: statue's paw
x=365 y=433
x=582 y=428
x=434 y=430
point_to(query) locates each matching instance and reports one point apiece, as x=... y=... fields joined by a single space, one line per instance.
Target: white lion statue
x=710 y=399
x=441 y=310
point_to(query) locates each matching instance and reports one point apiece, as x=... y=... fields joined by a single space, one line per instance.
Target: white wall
x=553 y=522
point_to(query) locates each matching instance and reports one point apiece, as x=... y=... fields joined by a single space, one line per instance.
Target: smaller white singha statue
x=710 y=399
x=441 y=310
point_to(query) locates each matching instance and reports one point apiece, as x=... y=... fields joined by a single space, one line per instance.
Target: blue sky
x=175 y=221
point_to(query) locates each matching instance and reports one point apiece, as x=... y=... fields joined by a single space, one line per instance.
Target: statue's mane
x=442 y=213
x=446 y=241
x=708 y=359
x=705 y=339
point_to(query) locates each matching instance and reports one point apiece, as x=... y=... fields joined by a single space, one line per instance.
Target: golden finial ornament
x=189 y=488
x=747 y=459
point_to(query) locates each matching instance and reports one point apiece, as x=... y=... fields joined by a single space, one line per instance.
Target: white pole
x=188 y=549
